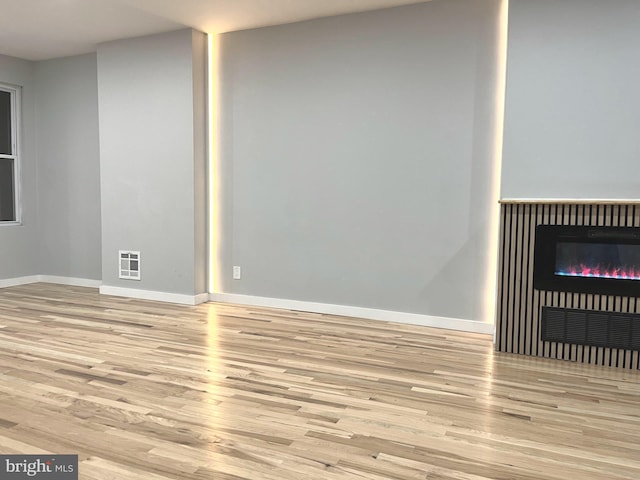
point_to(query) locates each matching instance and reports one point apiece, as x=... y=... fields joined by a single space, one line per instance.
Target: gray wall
x=200 y=140
x=69 y=167
x=21 y=253
x=149 y=159
x=356 y=158
x=573 y=102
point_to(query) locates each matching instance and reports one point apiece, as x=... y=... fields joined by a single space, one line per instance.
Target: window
x=9 y=166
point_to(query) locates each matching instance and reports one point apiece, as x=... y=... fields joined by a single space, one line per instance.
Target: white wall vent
x=129 y=264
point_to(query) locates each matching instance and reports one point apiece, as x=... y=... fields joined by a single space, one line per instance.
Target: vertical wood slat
x=501 y=280
x=539 y=296
x=582 y=301
x=604 y=219
x=594 y=304
x=520 y=305
x=524 y=279
x=547 y=347
x=612 y=217
x=617 y=353
x=633 y=307
x=546 y=299
x=503 y=300
x=625 y=361
x=503 y=289
x=529 y=302
x=509 y=284
x=517 y=297
x=512 y=279
x=572 y=349
x=563 y=348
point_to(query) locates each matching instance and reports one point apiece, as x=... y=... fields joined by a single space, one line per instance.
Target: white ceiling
x=42 y=29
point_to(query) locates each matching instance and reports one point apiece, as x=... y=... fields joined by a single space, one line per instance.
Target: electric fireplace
x=569 y=281
x=587 y=259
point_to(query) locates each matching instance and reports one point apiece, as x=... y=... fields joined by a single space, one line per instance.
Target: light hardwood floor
x=144 y=390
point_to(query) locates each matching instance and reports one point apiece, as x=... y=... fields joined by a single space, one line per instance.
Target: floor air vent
x=129 y=265
x=594 y=328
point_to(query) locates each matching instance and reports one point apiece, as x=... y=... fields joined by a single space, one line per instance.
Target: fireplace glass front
x=603 y=260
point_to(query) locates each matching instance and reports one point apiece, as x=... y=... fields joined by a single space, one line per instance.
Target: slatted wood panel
x=520 y=305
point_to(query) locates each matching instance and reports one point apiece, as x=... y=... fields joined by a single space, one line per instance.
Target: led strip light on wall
x=213 y=164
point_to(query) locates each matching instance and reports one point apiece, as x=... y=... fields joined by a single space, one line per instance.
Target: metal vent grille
x=594 y=328
x=129 y=265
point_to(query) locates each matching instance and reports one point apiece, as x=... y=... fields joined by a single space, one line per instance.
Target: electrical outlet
x=237 y=272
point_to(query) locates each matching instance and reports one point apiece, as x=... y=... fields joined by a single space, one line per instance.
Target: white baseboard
x=153 y=295
x=326 y=308
x=14 y=282
x=107 y=290
x=359 y=312
x=201 y=298
x=77 y=282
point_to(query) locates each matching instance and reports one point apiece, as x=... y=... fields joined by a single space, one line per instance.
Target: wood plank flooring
x=144 y=390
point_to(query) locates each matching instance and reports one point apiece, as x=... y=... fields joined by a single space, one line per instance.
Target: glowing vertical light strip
x=494 y=222
x=213 y=117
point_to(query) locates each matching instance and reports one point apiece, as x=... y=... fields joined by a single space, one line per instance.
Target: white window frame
x=16 y=123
